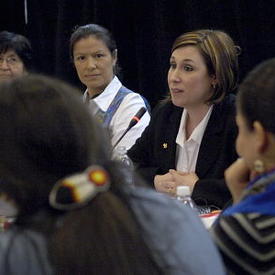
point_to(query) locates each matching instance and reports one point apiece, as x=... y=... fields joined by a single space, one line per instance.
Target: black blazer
x=154 y=153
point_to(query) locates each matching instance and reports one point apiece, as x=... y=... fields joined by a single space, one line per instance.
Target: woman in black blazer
x=191 y=137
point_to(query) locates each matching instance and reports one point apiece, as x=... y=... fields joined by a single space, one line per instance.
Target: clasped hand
x=169 y=182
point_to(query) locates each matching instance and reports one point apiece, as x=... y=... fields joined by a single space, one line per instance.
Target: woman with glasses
x=15 y=55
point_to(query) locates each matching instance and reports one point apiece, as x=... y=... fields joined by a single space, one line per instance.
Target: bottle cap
x=183 y=190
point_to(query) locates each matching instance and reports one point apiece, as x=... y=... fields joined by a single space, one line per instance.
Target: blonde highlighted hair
x=220 y=55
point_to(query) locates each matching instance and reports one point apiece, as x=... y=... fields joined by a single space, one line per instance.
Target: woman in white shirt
x=94 y=54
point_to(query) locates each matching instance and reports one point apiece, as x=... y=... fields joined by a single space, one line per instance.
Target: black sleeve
x=246 y=242
x=142 y=152
x=211 y=192
x=154 y=152
x=211 y=188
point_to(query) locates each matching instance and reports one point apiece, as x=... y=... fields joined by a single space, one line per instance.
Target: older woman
x=190 y=139
x=245 y=232
x=94 y=54
x=15 y=55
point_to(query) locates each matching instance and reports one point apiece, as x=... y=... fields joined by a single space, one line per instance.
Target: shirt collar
x=104 y=99
x=197 y=133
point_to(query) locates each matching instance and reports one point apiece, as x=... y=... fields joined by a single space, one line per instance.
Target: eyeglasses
x=11 y=60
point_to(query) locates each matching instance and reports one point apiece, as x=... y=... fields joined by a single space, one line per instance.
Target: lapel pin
x=164 y=145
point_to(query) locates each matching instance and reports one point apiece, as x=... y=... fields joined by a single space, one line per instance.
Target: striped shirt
x=245 y=233
x=247 y=243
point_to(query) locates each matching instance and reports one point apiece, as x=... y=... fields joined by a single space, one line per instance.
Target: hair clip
x=77 y=190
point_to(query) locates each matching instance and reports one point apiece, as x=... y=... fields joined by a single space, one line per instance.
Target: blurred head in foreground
x=56 y=164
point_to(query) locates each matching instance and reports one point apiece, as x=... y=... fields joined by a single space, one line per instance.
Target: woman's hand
x=165 y=184
x=237 y=176
x=183 y=178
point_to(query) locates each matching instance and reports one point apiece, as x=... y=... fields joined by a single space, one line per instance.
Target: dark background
x=144 y=31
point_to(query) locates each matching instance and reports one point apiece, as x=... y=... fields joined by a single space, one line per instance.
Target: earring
x=214 y=86
x=259 y=166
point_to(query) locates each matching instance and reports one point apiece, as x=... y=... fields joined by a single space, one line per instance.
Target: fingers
x=169 y=187
x=176 y=176
x=175 y=172
x=184 y=178
x=165 y=177
x=166 y=187
x=169 y=182
x=165 y=184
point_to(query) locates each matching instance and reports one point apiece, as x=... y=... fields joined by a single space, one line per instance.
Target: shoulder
x=243 y=223
x=225 y=111
x=167 y=225
x=129 y=93
x=131 y=97
x=24 y=252
x=21 y=237
x=249 y=235
x=159 y=206
x=228 y=103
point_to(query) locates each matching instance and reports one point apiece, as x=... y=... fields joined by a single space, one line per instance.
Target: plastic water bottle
x=184 y=195
x=120 y=154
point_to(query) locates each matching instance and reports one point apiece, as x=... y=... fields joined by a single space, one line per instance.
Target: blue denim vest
x=106 y=117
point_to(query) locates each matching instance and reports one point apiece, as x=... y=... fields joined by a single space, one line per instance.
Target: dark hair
x=109 y=239
x=220 y=55
x=48 y=139
x=99 y=32
x=47 y=133
x=19 y=44
x=256 y=96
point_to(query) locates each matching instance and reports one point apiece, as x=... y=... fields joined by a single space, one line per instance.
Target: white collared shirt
x=188 y=150
x=126 y=110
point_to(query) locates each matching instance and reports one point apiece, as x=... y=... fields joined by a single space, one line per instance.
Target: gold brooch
x=164 y=145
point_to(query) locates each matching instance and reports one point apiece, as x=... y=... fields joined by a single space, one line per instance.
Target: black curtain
x=144 y=31
x=12 y=16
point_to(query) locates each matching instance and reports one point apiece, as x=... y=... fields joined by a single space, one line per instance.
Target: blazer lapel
x=168 y=144
x=210 y=141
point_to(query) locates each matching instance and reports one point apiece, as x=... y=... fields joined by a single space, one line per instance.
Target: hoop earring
x=259 y=166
